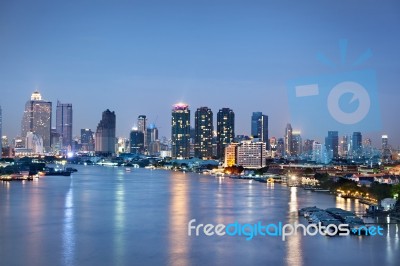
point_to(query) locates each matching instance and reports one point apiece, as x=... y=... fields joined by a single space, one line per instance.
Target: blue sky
x=141 y=57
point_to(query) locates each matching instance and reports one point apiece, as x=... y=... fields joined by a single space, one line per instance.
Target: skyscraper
x=297 y=143
x=64 y=123
x=332 y=144
x=225 y=129
x=105 y=133
x=37 y=119
x=386 y=153
x=180 y=131
x=288 y=140
x=1 y=133
x=203 y=122
x=357 y=144
x=259 y=126
x=136 y=141
x=142 y=127
x=153 y=144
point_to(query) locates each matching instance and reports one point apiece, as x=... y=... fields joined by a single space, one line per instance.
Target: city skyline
x=238 y=56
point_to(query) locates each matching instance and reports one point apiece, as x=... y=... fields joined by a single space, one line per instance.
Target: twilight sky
x=141 y=57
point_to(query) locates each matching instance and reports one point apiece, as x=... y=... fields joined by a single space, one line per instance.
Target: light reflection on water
x=68 y=228
x=293 y=253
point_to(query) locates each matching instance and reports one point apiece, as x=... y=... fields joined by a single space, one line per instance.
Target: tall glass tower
x=225 y=130
x=332 y=144
x=204 y=128
x=180 y=131
x=259 y=126
x=64 y=123
x=105 y=133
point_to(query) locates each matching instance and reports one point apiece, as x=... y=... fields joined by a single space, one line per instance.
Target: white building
x=252 y=153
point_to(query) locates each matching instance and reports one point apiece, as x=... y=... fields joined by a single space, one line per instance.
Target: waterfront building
x=230 y=154
x=203 y=136
x=64 y=124
x=105 y=140
x=252 y=154
x=259 y=127
x=37 y=119
x=180 y=131
x=142 y=127
x=225 y=130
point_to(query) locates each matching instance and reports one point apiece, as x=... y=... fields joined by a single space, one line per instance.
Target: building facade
x=37 y=119
x=225 y=130
x=180 y=131
x=332 y=144
x=252 y=154
x=259 y=126
x=203 y=122
x=136 y=141
x=288 y=140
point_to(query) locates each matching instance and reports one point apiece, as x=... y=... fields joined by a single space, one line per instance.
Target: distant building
x=273 y=144
x=288 y=140
x=280 y=147
x=344 y=147
x=136 y=141
x=386 y=151
x=153 y=143
x=34 y=142
x=308 y=148
x=332 y=144
x=87 y=140
x=37 y=119
x=252 y=154
x=259 y=126
x=203 y=122
x=225 y=130
x=180 y=131
x=297 y=143
x=105 y=140
x=64 y=124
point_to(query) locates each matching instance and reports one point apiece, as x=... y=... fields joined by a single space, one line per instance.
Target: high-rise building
x=280 y=147
x=37 y=119
x=64 y=124
x=297 y=143
x=136 y=140
x=1 y=133
x=344 y=146
x=153 y=143
x=273 y=143
x=288 y=140
x=259 y=126
x=142 y=127
x=203 y=122
x=180 y=131
x=308 y=148
x=225 y=130
x=386 y=153
x=332 y=144
x=105 y=141
x=356 y=144
x=87 y=140
x=252 y=154
x=230 y=154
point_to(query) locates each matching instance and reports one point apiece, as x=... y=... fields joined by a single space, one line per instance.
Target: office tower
x=37 y=119
x=153 y=144
x=288 y=140
x=64 y=124
x=297 y=147
x=142 y=127
x=180 y=131
x=203 y=122
x=357 y=144
x=273 y=143
x=252 y=154
x=318 y=152
x=1 y=133
x=87 y=140
x=259 y=126
x=225 y=130
x=34 y=142
x=105 y=133
x=136 y=140
x=308 y=148
x=332 y=144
